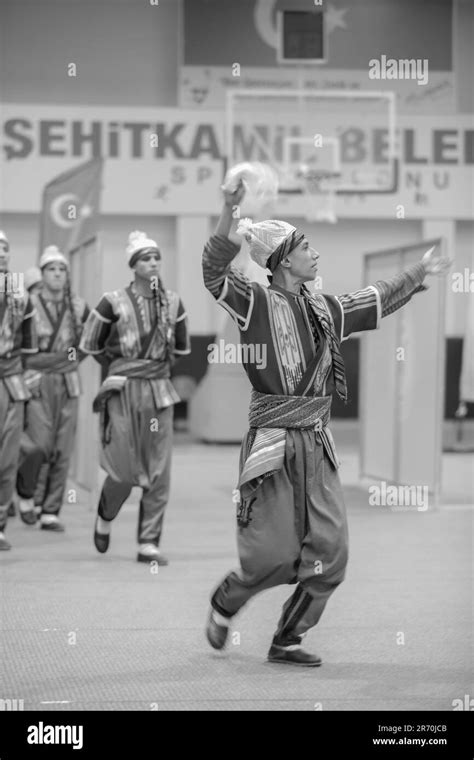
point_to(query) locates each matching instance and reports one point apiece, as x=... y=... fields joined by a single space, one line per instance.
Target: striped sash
x=270 y=416
x=319 y=308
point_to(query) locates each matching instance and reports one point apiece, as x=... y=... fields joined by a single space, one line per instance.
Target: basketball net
x=319 y=190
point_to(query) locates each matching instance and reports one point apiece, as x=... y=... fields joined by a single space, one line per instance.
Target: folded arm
x=97 y=329
x=29 y=336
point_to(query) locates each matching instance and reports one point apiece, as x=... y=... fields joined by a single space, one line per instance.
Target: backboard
x=277 y=126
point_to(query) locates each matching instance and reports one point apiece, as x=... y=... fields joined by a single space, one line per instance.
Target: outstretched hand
x=233 y=196
x=435 y=263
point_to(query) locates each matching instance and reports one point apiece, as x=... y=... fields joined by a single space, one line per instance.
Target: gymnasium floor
x=89 y=632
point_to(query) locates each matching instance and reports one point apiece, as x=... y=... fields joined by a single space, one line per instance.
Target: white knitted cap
x=52 y=254
x=4 y=239
x=264 y=237
x=138 y=241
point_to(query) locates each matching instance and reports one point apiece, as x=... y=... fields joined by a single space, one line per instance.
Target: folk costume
x=138 y=337
x=17 y=340
x=292 y=525
x=51 y=415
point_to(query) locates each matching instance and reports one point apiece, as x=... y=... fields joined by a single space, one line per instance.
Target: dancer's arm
x=97 y=329
x=232 y=200
x=84 y=317
x=181 y=334
x=227 y=284
x=29 y=337
x=363 y=309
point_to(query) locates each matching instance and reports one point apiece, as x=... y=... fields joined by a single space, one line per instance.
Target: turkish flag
x=70 y=212
x=246 y=32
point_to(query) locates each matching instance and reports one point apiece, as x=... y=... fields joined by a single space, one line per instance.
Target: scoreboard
x=301 y=37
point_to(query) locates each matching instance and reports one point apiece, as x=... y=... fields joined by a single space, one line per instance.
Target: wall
x=126 y=52
x=463 y=54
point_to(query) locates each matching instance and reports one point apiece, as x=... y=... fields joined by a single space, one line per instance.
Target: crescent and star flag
x=70 y=212
x=247 y=32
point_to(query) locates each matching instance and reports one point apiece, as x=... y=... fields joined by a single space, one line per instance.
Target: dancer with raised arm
x=291 y=517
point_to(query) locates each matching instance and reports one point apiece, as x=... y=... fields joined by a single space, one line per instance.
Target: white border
x=242 y=323
x=342 y=320
x=280 y=46
x=379 y=305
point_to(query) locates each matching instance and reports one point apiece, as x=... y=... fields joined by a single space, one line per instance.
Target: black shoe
x=159 y=558
x=55 y=526
x=298 y=656
x=216 y=634
x=4 y=544
x=11 y=509
x=101 y=540
x=29 y=517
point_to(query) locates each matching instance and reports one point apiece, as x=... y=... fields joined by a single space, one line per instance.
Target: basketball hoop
x=319 y=189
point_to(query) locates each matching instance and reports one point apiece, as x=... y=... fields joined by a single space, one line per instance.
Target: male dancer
x=291 y=517
x=17 y=338
x=51 y=415
x=137 y=332
x=27 y=478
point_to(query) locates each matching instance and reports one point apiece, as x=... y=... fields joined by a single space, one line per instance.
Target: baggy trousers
x=11 y=426
x=51 y=422
x=27 y=477
x=296 y=533
x=138 y=454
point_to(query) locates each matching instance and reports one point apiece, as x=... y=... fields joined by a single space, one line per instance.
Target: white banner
x=169 y=161
x=203 y=87
x=157 y=161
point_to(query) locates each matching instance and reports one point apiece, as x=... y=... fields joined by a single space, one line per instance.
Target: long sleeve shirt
x=18 y=340
x=281 y=321
x=123 y=319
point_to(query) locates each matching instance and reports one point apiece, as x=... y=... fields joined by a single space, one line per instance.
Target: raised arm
x=363 y=309
x=230 y=288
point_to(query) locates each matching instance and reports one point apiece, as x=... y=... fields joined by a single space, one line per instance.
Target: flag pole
x=84 y=243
